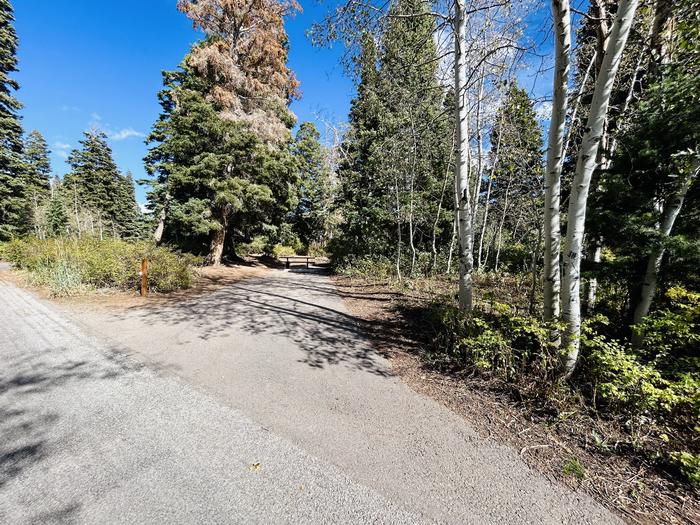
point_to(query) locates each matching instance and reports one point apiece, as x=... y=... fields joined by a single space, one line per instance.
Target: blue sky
x=87 y=63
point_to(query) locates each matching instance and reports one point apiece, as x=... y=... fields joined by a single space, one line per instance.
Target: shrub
x=368 y=267
x=496 y=343
x=280 y=250
x=66 y=266
x=257 y=246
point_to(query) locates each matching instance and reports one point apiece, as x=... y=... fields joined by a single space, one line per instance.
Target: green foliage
x=673 y=332
x=689 y=465
x=67 y=266
x=280 y=250
x=257 y=246
x=214 y=176
x=12 y=192
x=95 y=189
x=573 y=467
x=63 y=279
x=311 y=218
x=495 y=343
x=381 y=268
x=396 y=154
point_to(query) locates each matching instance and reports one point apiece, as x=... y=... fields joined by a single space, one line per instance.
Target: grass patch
x=574 y=468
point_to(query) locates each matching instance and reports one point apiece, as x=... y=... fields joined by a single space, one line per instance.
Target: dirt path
x=282 y=349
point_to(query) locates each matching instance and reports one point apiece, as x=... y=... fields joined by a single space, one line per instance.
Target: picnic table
x=288 y=260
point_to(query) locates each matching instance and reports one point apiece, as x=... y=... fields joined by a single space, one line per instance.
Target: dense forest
x=562 y=232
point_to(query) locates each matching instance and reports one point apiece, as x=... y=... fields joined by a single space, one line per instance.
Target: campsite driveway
x=259 y=402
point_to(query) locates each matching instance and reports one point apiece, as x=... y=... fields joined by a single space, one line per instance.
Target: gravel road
x=261 y=402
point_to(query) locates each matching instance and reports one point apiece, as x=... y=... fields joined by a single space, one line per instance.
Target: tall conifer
x=11 y=188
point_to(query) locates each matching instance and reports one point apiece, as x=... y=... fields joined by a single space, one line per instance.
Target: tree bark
x=218 y=240
x=464 y=223
x=585 y=166
x=160 y=229
x=555 y=159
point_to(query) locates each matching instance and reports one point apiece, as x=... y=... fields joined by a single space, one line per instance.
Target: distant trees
x=36 y=174
x=12 y=194
x=100 y=198
x=312 y=218
x=394 y=172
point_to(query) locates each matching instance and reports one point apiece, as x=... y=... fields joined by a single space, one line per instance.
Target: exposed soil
x=206 y=279
x=555 y=444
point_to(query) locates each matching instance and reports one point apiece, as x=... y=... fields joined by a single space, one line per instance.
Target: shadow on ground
x=300 y=305
x=25 y=428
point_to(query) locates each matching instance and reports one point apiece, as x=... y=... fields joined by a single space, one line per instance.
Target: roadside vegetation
x=546 y=243
x=73 y=266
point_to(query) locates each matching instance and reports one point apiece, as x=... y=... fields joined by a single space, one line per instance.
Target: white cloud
x=144 y=207
x=61 y=149
x=95 y=116
x=544 y=111
x=69 y=108
x=124 y=134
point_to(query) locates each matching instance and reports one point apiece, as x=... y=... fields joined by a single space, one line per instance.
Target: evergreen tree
x=516 y=187
x=211 y=172
x=36 y=179
x=392 y=178
x=56 y=213
x=97 y=189
x=11 y=188
x=362 y=199
x=655 y=168
x=311 y=216
x=416 y=136
x=126 y=210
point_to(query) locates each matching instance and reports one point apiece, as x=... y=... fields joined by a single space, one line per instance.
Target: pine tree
x=11 y=189
x=126 y=211
x=416 y=135
x=36 y=179
x=94 y=186
x=311 y=216
x=516 y=185
x=363 y=196
x=397 y=150
x=56 y=213
x=208 y=169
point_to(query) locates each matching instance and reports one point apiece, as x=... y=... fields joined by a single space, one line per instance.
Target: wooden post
x=144 y=277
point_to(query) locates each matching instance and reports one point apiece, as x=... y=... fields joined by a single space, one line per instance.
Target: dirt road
x=259 y=402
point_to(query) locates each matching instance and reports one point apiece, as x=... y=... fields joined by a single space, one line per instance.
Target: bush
x=280 y=250
x=496 y=343
x=368 y=267
x=658 y=392
x=257 y=246
x=66 y=266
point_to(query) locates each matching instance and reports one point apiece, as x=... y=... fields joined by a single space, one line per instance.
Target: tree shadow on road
x=25 y=425
x=304 y=308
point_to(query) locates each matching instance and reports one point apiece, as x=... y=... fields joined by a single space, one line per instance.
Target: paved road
x=260 y=402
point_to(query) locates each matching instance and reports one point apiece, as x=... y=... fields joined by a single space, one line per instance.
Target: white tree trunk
x=555 y=159
x=585 y=166
x=160 y=229
x=671 y=210
x=464 y=224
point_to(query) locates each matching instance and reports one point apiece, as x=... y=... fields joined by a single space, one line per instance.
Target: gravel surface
x=259 y=402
